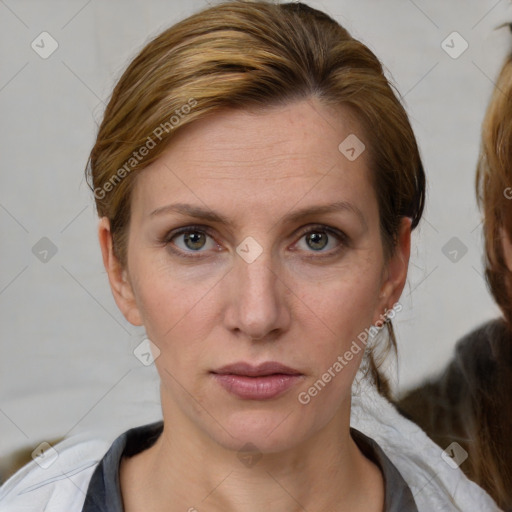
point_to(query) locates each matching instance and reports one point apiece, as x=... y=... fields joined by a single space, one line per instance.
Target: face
x=254 y=243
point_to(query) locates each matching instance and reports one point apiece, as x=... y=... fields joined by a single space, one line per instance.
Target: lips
x=263 y=382
x=263 y=369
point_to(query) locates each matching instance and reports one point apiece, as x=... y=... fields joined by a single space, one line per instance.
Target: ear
x=506 y=244
x=117 y=276
x=395 y=271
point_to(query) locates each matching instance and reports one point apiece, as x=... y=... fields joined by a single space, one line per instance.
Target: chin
x=268 y=431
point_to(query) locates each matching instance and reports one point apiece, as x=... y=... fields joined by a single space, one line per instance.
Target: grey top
x=104 y=491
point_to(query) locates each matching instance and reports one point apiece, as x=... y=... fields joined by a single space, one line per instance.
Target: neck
x=327 y=472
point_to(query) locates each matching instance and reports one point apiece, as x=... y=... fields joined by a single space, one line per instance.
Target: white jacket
x=435 y=484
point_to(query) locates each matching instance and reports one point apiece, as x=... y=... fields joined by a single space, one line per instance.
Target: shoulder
x=480 y=360
x=57 y=480
x=485 y=338
x=483 y=351
x=435 y=482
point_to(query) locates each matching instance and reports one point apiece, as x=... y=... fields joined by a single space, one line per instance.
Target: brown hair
x=491 y=467
x=494 y=187
x=244 y=54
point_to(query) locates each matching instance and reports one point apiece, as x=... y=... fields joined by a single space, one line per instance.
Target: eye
x=317 y=238
x=189 y=239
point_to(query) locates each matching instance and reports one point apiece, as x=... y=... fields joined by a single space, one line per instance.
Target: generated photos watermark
x=151 y=142
x=343 y=360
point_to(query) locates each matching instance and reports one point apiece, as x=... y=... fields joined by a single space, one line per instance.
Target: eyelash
x=342 y=238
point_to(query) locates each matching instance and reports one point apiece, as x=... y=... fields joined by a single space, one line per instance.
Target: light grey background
x=67 y=362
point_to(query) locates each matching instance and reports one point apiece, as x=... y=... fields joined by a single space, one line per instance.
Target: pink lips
x=262 y=382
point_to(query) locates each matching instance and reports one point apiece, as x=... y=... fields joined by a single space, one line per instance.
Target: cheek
x=174 y=310
x=343 y=306
x=343 y=302
x=345 y=309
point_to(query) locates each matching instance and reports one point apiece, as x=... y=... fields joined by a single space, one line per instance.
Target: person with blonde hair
x=257 y=181
x=470 y=402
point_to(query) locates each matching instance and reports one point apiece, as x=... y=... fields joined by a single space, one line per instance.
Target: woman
x=257 y=181
x=471 y=401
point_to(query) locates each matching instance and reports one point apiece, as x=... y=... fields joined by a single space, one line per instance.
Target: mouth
x=261 y=370
x=262 y=382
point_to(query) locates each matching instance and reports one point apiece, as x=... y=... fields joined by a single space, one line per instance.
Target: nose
x=258 y=307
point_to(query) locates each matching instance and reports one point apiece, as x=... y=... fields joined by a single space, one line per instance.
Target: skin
x=291 y=304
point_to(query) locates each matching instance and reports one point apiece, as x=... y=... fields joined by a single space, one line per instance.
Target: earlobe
x=396 y=269
x=117 y=275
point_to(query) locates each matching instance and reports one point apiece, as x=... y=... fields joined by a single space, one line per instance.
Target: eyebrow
x=209 y=215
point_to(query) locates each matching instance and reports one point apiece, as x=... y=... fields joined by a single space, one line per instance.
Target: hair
x=491 y=466
x=243 y=55
x=494 y=187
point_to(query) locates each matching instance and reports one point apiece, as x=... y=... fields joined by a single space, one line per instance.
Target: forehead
x=279 y=155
